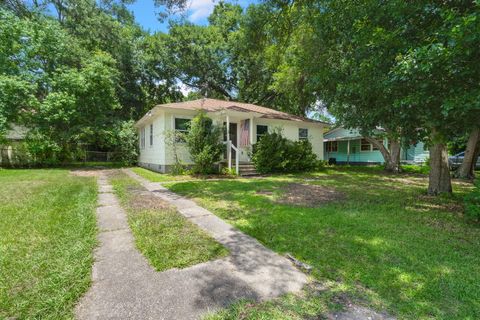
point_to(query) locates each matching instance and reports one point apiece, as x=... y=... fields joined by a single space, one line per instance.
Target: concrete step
x=249 y=174
x=247 y=169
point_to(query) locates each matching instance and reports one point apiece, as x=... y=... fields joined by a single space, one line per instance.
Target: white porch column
x=228 y=128
x=251 y=130
x=348 y=151
x=229 y=146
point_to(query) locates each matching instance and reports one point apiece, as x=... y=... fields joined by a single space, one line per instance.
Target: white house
x=244 y=124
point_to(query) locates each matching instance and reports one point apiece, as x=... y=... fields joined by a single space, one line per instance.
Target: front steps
x=247 y=170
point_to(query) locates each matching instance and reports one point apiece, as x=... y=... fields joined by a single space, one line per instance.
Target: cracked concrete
x=125 y=286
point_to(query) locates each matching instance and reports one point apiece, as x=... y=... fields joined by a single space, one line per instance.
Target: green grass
x=387 y=244
x=167 y=177
x=47 y=234
x=163 y=235
x=101 y=164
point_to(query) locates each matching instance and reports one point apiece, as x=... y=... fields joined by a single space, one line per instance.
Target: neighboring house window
x=374 y=147
x=142 y=138
x=181 y=126
x=365 y=145
x=302 y=134
x=151 y=135
x=332 y=146
x=261 y=131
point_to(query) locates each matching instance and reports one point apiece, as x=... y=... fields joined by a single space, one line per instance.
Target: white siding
x=182 y=151
x=290 y=131
x=161 y=154
x=154 y=154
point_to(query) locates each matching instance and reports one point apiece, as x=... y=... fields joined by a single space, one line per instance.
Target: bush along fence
x=19 y=157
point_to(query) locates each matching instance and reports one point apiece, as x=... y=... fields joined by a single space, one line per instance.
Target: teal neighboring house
x=348 y=146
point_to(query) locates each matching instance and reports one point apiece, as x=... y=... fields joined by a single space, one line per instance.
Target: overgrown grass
x=163 y=235
x=47 y=234
x=413 y=168
x=388 y=244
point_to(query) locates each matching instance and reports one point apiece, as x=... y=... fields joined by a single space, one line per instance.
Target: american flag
x=244 y=132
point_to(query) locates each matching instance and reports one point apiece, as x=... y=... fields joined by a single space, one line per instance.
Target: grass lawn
x=166 y=177
x=47 y=233
x=382 y=242
x=163 y=235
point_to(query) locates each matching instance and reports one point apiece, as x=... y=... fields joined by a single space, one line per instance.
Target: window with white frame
x=151 y=135
x=261 y=131
x=182 y=127
x=332 y=146
x=365 y=145
x=142 y=138
x=302 y=134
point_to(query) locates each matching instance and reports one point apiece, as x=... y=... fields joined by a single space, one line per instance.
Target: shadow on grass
x=386 y=241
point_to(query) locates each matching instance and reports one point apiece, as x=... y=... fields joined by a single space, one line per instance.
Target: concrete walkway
x=125 y=286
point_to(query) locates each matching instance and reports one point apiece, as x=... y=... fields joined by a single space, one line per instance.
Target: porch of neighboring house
x=352 y=150
x=358 y=151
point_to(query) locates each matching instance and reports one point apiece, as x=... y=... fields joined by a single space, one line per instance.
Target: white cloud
x=200 y=9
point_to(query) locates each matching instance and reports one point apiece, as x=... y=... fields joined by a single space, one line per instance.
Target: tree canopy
x=408 y=68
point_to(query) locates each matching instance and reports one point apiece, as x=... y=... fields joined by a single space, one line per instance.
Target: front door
x=233 y=137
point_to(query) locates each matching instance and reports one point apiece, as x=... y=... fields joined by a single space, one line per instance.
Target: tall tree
x=467 y=168
x=438 y=78
x=406 y=67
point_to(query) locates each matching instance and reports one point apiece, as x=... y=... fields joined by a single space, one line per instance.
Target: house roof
x=212 y=105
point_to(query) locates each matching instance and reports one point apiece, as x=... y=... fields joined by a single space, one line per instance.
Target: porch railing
x=231 y=147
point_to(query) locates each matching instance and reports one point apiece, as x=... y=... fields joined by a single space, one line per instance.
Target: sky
x=197 y=12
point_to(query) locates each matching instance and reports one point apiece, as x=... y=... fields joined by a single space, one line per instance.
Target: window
x=261 y=131
x=142 y=138
x=181 y=126
x=380 y=141
x=151 y=135
x=365 y=145
x=332 y=146
x=302 y=134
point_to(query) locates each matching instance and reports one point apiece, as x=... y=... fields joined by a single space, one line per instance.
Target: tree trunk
x=466 y=169
x=476 y=157
x=391 y=157
x=439 y=180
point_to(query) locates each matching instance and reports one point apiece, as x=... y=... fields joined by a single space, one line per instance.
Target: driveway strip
x=125 y=286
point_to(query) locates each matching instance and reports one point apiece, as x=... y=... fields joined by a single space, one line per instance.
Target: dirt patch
x=90 y=172
x=309 y=195
x=354 y=312
x=427 y=202
x=142 y=199
x=265 y=192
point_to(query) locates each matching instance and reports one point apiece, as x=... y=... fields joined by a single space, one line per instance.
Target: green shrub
x=269 y=153
x=321 y=164
x=275 y=153
x=472 y=203
x=204 y=143
x=126 y=142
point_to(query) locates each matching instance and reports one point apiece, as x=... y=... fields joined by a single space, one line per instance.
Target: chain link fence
x=12 y=156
